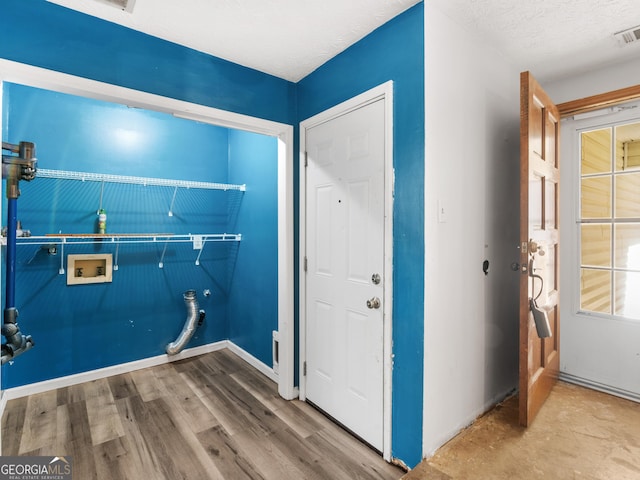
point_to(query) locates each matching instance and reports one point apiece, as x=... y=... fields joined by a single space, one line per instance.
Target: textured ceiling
x=551 y=38
x=291 y=38
x=285 y=38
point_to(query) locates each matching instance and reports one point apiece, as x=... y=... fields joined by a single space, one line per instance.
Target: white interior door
x=345 y=277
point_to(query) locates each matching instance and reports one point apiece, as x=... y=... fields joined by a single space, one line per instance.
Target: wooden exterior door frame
x=596 y=102
x=384 y=91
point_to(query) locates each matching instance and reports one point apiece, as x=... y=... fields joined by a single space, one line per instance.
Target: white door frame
x=384 y=92
x=60 y=82
x=581 y=330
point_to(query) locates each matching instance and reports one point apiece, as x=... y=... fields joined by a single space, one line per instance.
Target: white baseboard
x=253 y=361
x=601 y=387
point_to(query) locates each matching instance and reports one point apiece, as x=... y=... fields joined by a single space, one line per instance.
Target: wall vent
x=126 y=5
x=628 y=36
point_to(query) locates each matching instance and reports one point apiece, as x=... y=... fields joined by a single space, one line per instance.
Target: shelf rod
x=115 y=264
x=159 y=182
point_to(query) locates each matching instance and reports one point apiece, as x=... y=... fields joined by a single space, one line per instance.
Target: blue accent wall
x=85 y=327
x=49 y=36
x=40 y=33
x=395 y=52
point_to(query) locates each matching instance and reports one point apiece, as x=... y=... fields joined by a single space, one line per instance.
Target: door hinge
x=305 y=264
x=304 y=369
x=306 y=159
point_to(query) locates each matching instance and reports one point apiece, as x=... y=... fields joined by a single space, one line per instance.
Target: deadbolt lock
x=375 y=279
x=535 y=247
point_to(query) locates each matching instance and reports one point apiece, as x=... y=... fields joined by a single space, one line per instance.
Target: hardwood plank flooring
x=104 y=420
x=208 y=417
x=39 y=429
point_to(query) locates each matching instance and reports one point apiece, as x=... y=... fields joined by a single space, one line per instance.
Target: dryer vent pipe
x=195 y=317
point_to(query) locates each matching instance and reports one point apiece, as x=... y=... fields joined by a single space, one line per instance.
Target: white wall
x=594 y=351
x=605 y=79
x=472 y=169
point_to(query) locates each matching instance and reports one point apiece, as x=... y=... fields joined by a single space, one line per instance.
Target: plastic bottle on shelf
x=102 y=221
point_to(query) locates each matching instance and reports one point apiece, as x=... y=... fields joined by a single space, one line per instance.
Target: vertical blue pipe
x=12 y=222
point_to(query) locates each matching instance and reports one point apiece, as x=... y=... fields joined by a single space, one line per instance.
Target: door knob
x=373 y=303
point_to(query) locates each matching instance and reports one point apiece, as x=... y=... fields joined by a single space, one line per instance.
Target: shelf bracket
x=115 y=263
x=204 y=240
x=101 y=196
x=164 y=250
x=61 y=269
x=173 y=200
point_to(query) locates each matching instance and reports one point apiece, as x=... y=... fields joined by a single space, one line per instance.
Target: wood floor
x=207 y=417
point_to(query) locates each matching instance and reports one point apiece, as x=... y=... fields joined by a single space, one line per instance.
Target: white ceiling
x=551 y=38
x=291 y=38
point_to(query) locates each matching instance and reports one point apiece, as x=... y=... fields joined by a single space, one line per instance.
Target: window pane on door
x=596 y=151
x=596 y=197
x=596 y=245
x=628 y=195
x=627 y=298
x=595 y=290
x=628 y=147
x=627 y=245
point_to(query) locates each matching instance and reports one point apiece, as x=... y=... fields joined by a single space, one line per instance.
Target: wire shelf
x=61 y=240
x=89 y=238
x=160 y=182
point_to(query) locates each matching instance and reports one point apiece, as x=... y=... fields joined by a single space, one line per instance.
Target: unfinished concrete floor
x=579 y=434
